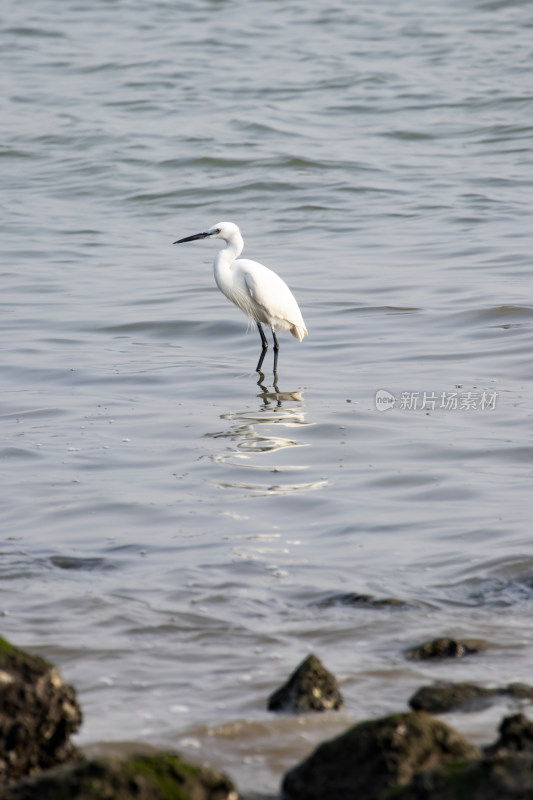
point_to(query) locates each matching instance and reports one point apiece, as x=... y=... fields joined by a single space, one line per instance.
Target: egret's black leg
x=264 y=342
x=276 y=350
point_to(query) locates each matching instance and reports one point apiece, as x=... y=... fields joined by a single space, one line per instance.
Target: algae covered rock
x=444 y=647
x=368 y=601
x=516 y=736
x=507 y=778
x=159 y=776
x=444 y=696
x=38 y=712
x=518 y=691
x=310 y=688
x=373 y=756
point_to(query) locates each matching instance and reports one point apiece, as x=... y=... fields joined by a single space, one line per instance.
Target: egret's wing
x=270 y=292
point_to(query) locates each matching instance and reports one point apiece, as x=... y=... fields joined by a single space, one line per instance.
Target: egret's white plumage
x=254 y=288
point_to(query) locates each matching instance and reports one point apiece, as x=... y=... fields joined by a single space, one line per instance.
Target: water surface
x=173 y=532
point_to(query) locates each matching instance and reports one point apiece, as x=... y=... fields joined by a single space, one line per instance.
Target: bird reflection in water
x=276 y=396
x=254 y=438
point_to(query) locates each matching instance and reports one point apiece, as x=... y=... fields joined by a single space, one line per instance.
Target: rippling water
x=171 y=529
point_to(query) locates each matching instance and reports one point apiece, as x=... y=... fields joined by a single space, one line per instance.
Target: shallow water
x=171 y=528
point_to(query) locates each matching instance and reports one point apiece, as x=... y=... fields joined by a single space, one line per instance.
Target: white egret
x=254 y=288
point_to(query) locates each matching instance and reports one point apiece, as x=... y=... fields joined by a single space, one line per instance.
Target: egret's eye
x=218 y=230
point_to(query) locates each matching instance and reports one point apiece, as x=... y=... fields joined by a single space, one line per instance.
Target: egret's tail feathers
x=299 y=331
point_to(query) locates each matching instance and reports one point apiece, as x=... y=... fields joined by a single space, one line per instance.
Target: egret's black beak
x=192 y=238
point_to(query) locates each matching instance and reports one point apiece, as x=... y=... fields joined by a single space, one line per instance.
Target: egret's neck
x=225 y=258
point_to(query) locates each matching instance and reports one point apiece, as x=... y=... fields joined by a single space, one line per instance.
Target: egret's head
x=222 y=230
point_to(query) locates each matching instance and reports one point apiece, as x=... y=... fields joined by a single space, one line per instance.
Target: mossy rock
x=507 y=778
x=446 y=696
x=157 y=776
x=519 y=691
x=38 y=712
x=445 y=647
x=356 y=600
x=442 y=697
x=12 y=657
x=373 y=756
x=516 y=736
x=311 y=687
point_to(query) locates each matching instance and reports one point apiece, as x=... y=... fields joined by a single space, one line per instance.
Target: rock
x=362 y=601
x=445 y=648
x=444 y=696
x=441 y=697
x=159 y=776
x=516 y=736
x=508 y=778
x=38 y=712
x=374 y=755
x=310 y=688
x=519 y=691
